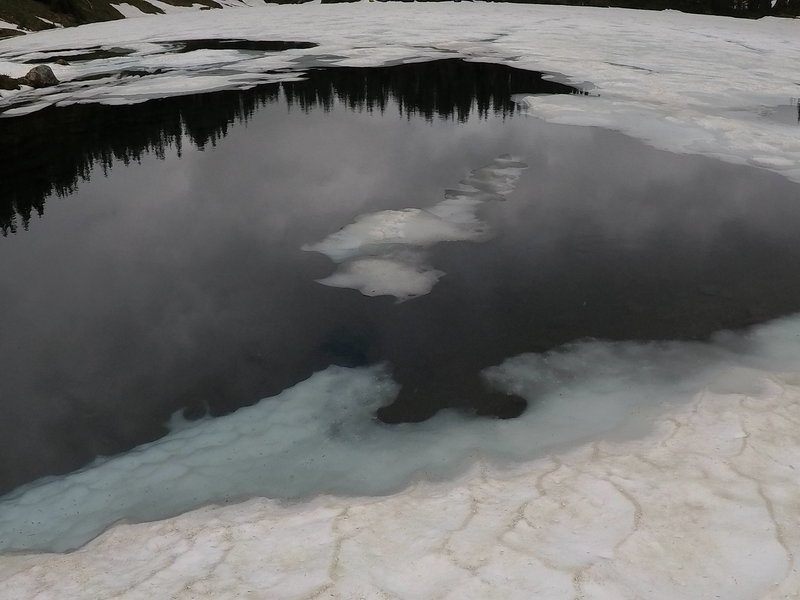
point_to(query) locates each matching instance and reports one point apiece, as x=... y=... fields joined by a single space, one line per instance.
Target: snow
x=171 y=8
x=595 y=494
x=703 y=506
x=7 y=25
x=49 y=22
x=129 y=10
x=321 y=436
x=685 y=83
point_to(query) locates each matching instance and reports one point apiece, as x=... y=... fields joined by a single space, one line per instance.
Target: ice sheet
x=703 y=506
x=321 y=436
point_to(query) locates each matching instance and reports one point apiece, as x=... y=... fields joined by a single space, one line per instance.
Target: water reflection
x=180 y=283
x=51 y=151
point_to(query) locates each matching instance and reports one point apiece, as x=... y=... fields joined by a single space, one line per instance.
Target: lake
x=200 y=253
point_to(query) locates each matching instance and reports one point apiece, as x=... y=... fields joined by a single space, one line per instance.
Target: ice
x=404 y=276
x=160 y=85
x=704 y=501
x=321 y=436
x=641 y=471
x=686 y=83
x=382 y=253
x=411 y=226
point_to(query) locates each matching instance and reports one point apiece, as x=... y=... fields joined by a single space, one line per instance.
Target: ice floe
x=383 y=253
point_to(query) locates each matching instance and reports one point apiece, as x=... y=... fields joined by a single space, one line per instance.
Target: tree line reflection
x=50 y=152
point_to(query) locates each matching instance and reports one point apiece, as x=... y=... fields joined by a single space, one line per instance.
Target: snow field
x=646 y=471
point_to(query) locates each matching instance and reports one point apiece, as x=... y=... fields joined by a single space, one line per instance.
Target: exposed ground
x=37 y=15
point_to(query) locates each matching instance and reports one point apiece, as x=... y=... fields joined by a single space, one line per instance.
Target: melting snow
x=704 y=505
x=383 y=253
x=129 y=10
x=687 y=83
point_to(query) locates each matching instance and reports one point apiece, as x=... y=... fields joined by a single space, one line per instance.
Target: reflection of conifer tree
x=56 y=148
x=786 y=7
x=52 y=150
x=448 y=88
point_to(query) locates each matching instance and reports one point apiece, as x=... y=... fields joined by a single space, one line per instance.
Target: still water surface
x=152 y=262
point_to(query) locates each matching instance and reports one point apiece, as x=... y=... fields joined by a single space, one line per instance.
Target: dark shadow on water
x=99 y=53
x=249 y=45
x=92 y=53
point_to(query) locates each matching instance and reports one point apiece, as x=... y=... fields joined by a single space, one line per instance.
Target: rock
x=62 y=61
x=39 y=77
x=8 y=83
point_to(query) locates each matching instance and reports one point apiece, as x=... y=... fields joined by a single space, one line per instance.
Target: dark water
x=165 y=272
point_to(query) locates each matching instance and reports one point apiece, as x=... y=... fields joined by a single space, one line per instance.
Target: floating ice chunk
x=369 y=250
x=401 y=277
x=410 y=226
x=471 y=193
x=498 y=178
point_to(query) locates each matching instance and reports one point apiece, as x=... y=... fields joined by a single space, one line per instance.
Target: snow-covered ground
x=687 y=83
x=703 y=505
x=7 y=25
